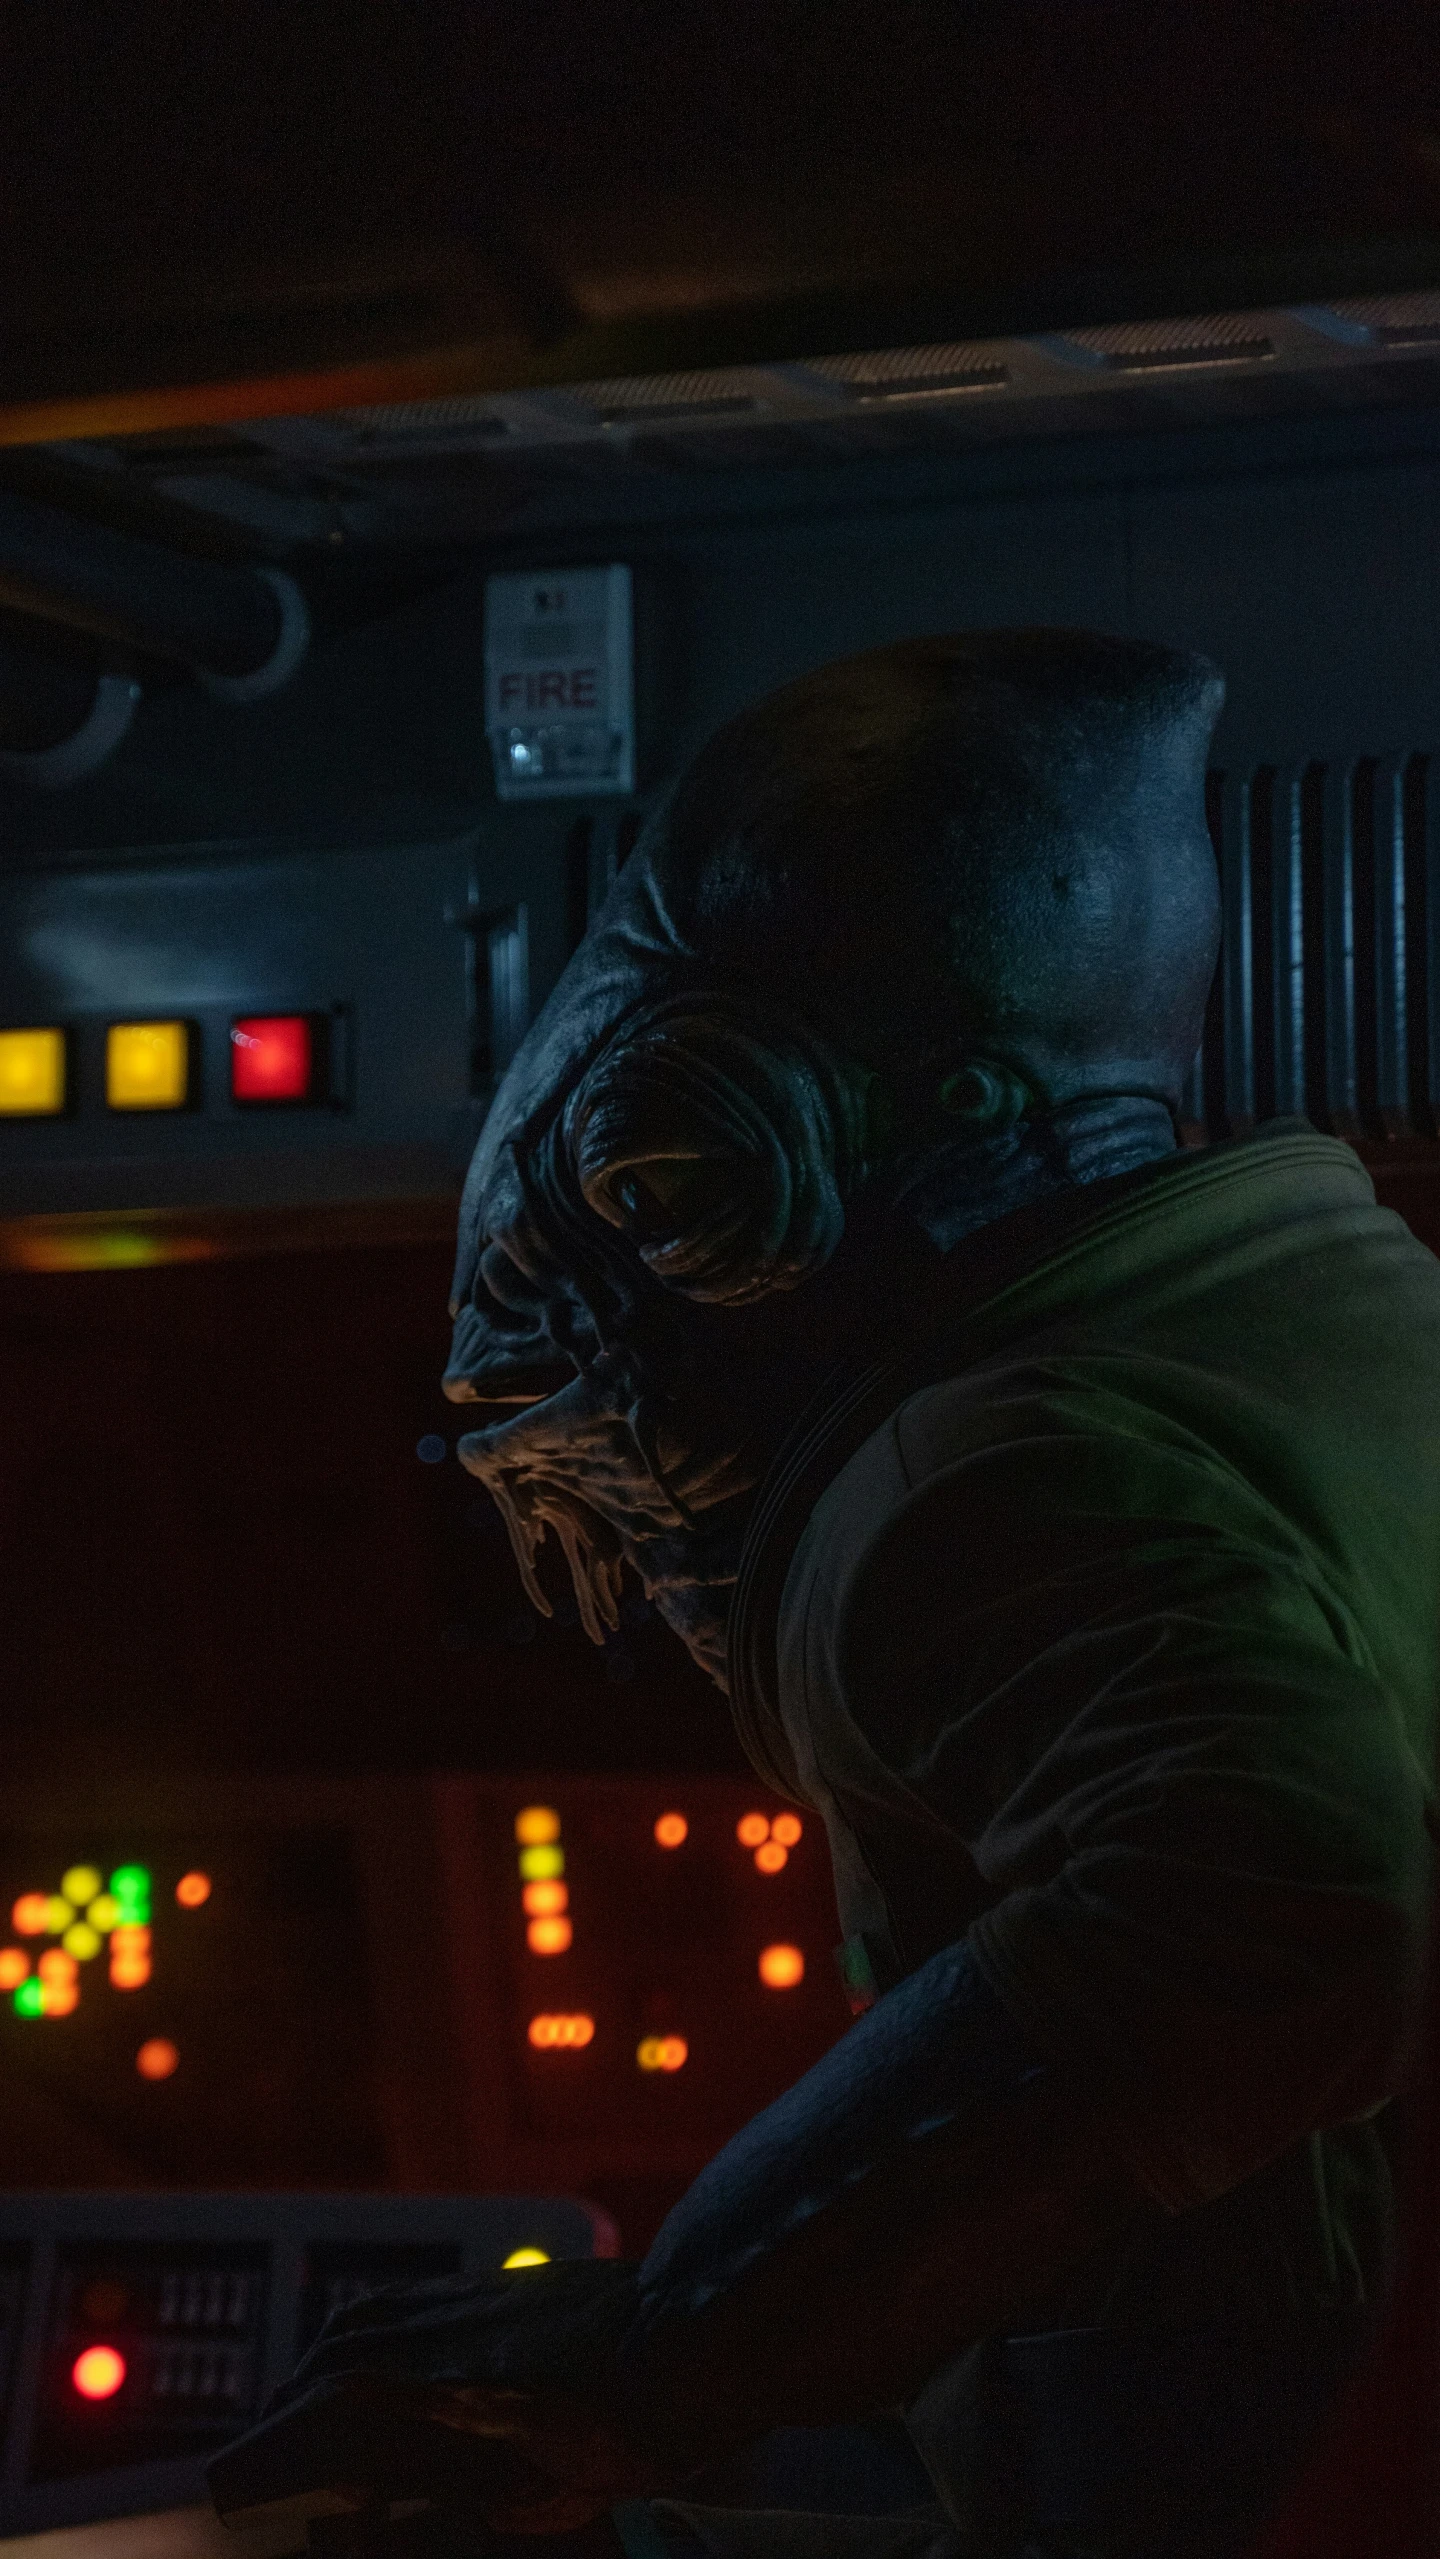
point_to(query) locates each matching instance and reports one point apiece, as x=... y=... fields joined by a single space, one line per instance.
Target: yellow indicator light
x=58 y=1999
x=548 y=1936
x=541 y=1901
x=31 y=1915
x=14 y=1967
x=787 y=1828
x=781 y=1967
x=537 y=1865
x=32 y=1073
x=147 y=1066
x=81 y=1884
x=752 y=1829
x=58 y=1914
x=771 y=1857
x=549 y=2034
x=104 y=1913
x=81 y=1941
x=537 y=1825
x=527 y=2257
x=671 y=1830
x=663 y=2052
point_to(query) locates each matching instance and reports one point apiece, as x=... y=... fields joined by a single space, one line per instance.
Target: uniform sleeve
x=1191 y=1803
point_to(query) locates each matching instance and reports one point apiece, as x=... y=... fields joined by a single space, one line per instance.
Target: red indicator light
x=192 y=1890
x=31 y=1915
x=770 y=1857
x=786 y=1827
x=14 y=1967
x=98 y=2373
x=157 y=2059
x=671 y=1830
x=272 y=1058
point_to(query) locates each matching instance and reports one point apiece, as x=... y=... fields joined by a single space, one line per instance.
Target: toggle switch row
x=155 y=1066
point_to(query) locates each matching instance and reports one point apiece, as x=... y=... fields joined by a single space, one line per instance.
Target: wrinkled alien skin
x=918 y=938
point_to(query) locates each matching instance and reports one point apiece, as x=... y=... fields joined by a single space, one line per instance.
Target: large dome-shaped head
x=992 y=839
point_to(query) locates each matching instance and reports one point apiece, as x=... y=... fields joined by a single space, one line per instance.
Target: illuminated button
x=157 y=2058
x=31 y=1915
x=787 y=1828
x=98 y=2373
x=537 y=1825
x=537 y=1865
x=32 y=1073
x=541 y=1901
x=272 y=1058
x=81 y=1884
x=192 y=1890
x=147 y=1066
x=527 y=2257
x=663 y=2052
x=82 y=1941
x=671 y=1830
x=770 y=1857
x=781 y=1967
x=14 y=1967
x=548 y=1936
x=752 y=1829
x=570 y=2034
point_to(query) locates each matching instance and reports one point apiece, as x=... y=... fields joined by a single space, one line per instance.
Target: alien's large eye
x=722 y=1144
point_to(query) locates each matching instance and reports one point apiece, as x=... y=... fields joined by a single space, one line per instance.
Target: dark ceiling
x=347 y=203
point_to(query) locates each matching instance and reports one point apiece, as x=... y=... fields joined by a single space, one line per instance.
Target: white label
x=559 y=683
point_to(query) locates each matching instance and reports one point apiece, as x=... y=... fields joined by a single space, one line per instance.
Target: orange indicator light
x=671 y=1830
x=31 y=1915
x=192 y=1890
x=130 y=1939
x=56 y=1965
x=543 y=1900
x=537 y=1826
x=781 y=1967
x=787 y=1828
x=58 y=1998
x=14 y=1967
x=752 y=1829
x=663 y=2052
x=157 y=2058
x=548 y=1936
x=569 y=2034
x=129 y=1972
x=771 y=1857
x=98 y=2373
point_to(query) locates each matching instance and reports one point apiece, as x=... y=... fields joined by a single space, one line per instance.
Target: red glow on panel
x=98 y=2373
x=271 y=1058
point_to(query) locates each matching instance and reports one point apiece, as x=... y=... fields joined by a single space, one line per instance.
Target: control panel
x=139 y=2334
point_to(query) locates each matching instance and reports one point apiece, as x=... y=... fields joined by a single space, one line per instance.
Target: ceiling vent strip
x=664 y=398
x=1395 y=319
x=1159 y=346
x=908 y=373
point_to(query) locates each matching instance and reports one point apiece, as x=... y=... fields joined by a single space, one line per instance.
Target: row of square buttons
x=153 y=1066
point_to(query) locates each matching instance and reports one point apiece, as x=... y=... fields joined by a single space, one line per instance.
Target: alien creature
x=1060 y=1509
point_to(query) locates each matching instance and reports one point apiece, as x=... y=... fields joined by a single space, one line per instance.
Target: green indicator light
x=30 y=1999
x=538 y=1864
x=130 y=1883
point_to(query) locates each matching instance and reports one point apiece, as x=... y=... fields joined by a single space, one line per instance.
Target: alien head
x=952 y=887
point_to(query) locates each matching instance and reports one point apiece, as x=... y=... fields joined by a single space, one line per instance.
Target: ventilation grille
x=424 y=417
x=639 y=399
x=1326 y=1001
x=1158 y=346
x=1396 y=319
x=909 y=373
